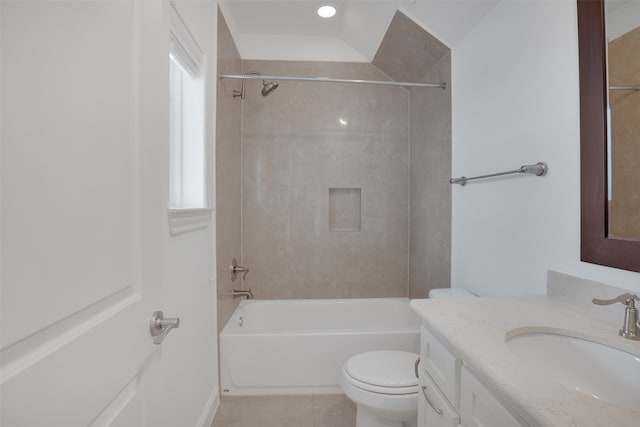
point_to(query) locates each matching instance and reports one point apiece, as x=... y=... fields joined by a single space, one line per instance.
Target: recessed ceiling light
x=326 y=11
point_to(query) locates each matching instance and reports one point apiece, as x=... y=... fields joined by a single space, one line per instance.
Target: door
x=83 y=131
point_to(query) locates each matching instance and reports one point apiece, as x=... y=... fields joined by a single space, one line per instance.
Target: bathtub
x=277 y=347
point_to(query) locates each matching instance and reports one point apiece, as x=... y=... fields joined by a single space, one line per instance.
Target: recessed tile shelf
x=344 y=209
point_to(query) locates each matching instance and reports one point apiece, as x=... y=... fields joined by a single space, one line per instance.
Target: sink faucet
x=631 y=324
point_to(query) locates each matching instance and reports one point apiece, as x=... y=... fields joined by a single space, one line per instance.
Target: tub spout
x=241 y=293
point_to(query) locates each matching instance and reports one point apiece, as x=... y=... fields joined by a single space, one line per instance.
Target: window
x=189 y=198
x=187 y=164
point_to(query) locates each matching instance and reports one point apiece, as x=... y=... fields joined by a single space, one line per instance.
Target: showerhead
x=268 y=87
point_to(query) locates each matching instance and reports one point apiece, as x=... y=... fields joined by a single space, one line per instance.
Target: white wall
x=273 y=47
x=622 y=18
x=190 y=364
x=516 y=101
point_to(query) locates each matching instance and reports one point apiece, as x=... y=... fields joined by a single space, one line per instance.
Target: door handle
x=160 y=327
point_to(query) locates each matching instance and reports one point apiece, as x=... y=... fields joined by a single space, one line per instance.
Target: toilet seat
x=383 y=372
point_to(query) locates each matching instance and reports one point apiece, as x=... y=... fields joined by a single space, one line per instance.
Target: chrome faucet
x=240 y=293
x=235 y=269
x=631 y=324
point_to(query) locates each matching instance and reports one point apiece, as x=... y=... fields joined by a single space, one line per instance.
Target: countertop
x=475 y=331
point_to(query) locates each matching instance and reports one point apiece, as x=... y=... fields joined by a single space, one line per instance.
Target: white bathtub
x=299 y=346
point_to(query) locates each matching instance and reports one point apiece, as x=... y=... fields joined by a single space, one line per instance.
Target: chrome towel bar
x=539 y=169
x=625 y=88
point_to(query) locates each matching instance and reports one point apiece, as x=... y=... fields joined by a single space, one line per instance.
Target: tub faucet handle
x=631 y=325
x=235 y=269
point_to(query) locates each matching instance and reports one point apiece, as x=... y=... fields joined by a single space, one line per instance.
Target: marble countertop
x=475 y=330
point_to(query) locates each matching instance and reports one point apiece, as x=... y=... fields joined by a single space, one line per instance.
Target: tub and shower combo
x=284 y=347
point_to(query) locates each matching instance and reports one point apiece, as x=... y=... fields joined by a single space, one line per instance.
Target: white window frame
x=185 y=52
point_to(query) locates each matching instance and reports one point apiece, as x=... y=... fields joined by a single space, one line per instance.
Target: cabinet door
x=479 y=408
x=440 y=364
x=433 y=408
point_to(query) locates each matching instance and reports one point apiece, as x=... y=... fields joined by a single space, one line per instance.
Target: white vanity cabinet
x=434 y=410
x=438 y=394
x=441 y=365
x=479 y=408
x=450 y=395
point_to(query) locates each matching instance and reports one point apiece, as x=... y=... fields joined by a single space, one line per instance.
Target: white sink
x=591 y=368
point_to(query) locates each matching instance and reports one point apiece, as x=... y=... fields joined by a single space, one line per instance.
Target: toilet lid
x=384 y=369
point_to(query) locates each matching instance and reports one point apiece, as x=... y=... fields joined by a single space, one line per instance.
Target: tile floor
x=334 y=410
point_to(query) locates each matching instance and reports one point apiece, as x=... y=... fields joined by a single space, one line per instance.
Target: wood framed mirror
x=598 y=244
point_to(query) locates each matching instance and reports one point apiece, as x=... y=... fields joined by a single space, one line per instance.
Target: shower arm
x=240 y=93
x=257 y=76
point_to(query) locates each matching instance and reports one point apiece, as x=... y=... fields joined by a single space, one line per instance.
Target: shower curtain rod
x=330 y=80
x=624 y=87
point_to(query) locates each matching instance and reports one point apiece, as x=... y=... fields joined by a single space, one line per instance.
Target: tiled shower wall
x=228 y=172
x=624 y=70
x=331 y=207
x=430 y=206
x=409 y=53
x=314 y=148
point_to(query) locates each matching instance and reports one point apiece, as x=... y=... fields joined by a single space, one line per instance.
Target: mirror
x=622 y=26
x=601 y=240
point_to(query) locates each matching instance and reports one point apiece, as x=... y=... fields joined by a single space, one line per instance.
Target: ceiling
x=292 y=30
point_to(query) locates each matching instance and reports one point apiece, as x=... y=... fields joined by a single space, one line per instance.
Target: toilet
x=383 y=383
x=384 y=387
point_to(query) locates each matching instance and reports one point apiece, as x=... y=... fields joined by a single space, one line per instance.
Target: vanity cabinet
x=450 y=395
x=434 y=410
x=479 y=408
x=442 y=366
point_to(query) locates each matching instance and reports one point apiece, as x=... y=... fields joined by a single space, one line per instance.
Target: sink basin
x=594 y=369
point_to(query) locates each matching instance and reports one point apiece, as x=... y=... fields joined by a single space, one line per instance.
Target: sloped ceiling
x=407 y=51
x=291 y=30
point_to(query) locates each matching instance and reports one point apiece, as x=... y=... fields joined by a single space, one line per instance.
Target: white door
x=83 y=133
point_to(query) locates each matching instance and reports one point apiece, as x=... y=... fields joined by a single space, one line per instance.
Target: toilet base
x=386 y=403
x=368 y=418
